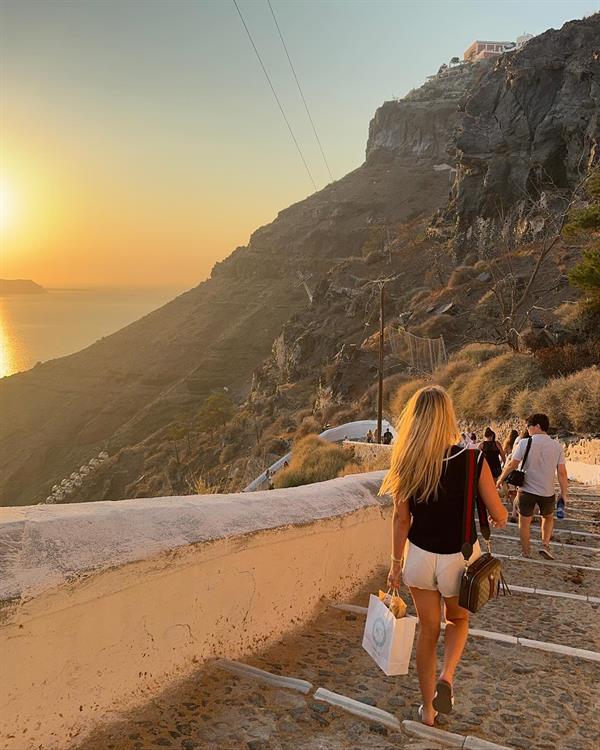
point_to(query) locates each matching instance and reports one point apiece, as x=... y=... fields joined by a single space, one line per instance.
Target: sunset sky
x=140 y=143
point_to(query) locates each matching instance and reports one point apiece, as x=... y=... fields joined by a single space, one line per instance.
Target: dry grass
x=461 y=275
x=308 y=426
x=437 y=325
x=487 y=392
x=477 y=354
x=314 y=460
x=403 y=394
x=571 y=403
x=488 y=383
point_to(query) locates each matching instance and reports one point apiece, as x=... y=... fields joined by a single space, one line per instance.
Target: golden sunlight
x=6 y=205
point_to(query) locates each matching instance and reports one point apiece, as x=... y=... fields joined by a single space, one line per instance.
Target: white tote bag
x=387 y=639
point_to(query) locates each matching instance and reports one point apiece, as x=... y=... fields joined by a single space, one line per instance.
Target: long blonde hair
x=425 y=431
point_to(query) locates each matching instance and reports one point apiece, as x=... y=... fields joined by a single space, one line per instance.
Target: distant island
x=20 y=286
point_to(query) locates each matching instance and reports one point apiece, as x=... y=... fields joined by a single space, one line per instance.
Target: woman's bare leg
x=455 y=637
x=428 y=609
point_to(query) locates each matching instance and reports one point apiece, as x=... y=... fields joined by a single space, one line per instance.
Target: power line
x=300 y=90
x=275 y=94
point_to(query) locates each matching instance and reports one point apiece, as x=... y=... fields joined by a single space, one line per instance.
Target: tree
x=454 y=61
x=585 y=221
x=216 y=410
x=517 y=295
x=586 y=277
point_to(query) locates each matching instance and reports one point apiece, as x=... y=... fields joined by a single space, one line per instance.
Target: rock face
x=530 y=129
x=418 y=127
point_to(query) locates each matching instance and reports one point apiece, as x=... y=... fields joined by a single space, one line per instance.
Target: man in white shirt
x=546 y=457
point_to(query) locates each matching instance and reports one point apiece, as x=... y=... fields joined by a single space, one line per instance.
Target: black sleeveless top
x=492 y=456
x=437 y=524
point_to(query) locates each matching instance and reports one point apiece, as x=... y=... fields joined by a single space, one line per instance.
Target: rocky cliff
x=529 y=132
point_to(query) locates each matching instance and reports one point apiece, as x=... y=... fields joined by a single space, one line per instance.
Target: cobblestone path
x=509 y=694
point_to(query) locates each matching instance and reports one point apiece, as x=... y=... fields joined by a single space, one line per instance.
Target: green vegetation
x=314 y=460
x=375 y=241
x=214 y=412
x=586 y=219
x=586 y=277
x=585 y=222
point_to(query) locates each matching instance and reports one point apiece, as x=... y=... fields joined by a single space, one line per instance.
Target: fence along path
x=529 y=679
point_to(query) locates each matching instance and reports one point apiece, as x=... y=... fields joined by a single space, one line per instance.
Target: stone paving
x=512 y=695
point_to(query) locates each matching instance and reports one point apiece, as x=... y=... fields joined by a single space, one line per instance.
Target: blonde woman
x=427 y=480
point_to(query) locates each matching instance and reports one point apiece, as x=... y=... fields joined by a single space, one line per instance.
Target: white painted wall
x=105 y=604
x=584 y=473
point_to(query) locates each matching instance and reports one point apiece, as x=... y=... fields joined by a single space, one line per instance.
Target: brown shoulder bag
x=482 y=579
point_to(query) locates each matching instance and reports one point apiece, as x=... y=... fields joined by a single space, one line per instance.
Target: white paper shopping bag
x=388 y=640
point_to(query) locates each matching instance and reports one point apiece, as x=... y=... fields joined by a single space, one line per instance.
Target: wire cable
x=300 y=90
x=275 y=94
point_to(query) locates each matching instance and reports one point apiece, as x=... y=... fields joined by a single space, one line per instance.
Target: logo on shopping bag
x=379 y=632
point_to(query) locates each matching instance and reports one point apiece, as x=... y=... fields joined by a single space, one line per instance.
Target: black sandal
x=443 y=700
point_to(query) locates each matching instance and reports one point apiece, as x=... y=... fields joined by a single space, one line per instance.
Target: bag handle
x=472 y=500
x=524 y=461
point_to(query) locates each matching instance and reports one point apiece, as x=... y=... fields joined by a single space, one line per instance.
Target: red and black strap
x=468 y=522
x=474 y=464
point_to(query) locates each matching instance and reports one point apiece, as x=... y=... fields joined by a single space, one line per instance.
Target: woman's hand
x=497 y=524
x=394 y=579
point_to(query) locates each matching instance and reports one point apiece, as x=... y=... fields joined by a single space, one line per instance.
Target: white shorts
x=428 y=570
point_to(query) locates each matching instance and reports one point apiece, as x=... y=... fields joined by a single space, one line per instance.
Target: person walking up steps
x=510 y=444
x=545 y=458
x=427 y=482
x=493 y=452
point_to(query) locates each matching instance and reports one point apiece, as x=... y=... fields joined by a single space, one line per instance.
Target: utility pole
x=380 y=373
x=381 y=283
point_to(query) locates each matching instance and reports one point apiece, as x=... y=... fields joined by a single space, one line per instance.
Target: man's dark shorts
x=527 y=502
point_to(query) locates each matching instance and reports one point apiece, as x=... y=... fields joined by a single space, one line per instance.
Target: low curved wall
x=586 y=470
x=104 y=604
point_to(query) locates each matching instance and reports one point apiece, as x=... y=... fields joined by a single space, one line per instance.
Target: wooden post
x=380 y=386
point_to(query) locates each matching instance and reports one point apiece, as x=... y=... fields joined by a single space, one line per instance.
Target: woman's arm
x=400 y=528
x=489 y=494
x=502 y=453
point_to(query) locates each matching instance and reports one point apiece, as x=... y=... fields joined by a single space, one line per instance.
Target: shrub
x=216 y=410
x=454 y=369
x=487 y=393
x=524 y=403
x=403 y=394
x=567 y=358
x=277 y=446
x=460 y=276
x=308 y=426
x=571 y=403
x=375 y=241
x=437 y=325
x=313 y=460
x=586 y=277
x=419 y=296
x=477 y=354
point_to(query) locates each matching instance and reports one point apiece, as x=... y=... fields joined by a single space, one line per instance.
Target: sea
x=38 y=327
